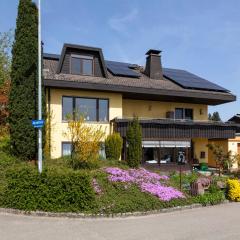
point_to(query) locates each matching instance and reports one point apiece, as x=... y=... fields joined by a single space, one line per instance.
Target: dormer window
x=81 y=65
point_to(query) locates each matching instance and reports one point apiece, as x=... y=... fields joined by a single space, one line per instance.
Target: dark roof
x=153 y=51
x=235 y=118
x=51 y=56
x=141 y=87
x=191 y=81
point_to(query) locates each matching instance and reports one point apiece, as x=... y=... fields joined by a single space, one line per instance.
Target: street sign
x=37 y=123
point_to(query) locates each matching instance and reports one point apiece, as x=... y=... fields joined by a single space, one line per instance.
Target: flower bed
x=147 y=182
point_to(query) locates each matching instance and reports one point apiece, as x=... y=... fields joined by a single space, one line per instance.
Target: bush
x=210 y=198
x=134 y=140
x=233 y=186
x=85 y=142
x=113 y=146
x=76 y=163
x=53 y=190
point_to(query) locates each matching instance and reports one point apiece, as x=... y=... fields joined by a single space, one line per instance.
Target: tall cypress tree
x=23 y=94
x=134 y=141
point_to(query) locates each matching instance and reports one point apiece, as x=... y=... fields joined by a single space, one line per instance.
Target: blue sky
x=202 y=37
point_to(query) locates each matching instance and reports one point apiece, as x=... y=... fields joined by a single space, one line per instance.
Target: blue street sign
x=37 y=123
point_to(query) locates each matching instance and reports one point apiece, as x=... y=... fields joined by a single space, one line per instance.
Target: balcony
x=163 y=128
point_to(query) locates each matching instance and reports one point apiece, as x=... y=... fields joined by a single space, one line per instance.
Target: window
x=102 y=153
x=82 y=65
x=179 y=113
x=66 y=149
x=92 y=109
x=103 y=110
x=75 y=65
x=87 y=108
x=87 y=67
x=188 y=114
x=184 y=113
x=67 y=108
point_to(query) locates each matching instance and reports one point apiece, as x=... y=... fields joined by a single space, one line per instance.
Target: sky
x=202 y=37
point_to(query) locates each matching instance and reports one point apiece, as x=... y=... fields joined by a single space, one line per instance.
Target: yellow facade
x=157 y=109
x=200 y=145
x=59 y=128
x=121 y=108
x=232 y=145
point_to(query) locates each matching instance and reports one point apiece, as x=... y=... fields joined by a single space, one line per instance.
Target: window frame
x=97 y=108
x=184 y=114
x=81 y=57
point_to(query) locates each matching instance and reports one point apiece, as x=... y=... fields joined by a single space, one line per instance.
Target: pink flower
x=147 y=181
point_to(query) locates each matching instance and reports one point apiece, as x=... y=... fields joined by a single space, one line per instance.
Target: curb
x=101 y=215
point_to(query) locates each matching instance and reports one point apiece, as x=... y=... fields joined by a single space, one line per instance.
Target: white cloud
x=120 y=24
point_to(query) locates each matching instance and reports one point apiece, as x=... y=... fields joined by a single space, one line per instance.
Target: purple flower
x=162 y=192
x=147 y=181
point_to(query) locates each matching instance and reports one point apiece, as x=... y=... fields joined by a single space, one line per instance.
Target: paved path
x=218 y=222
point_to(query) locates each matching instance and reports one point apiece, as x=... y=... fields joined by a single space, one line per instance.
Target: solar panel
x=121 y=69
x=189 y=80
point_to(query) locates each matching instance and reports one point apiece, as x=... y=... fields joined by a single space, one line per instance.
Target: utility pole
x=39 y=88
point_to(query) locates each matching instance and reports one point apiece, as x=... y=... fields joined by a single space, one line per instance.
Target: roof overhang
x=197 y=97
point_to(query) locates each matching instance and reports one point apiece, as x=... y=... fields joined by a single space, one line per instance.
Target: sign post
x=39 y=89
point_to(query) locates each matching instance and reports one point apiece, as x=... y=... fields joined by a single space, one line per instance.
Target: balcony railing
x=162 y=128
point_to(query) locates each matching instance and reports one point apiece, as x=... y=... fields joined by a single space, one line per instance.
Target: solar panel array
x=121 y=69
x=189 y=80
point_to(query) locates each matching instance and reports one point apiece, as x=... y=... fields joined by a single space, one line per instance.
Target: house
x=231 y=144
x=171 y=104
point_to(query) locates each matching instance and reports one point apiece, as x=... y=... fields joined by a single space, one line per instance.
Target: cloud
x=120 y=24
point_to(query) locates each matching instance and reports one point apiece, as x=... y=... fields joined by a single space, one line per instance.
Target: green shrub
x=134 y=140
x=113 y=146
x=54 y=190
x=210 y=198
x=75 y=163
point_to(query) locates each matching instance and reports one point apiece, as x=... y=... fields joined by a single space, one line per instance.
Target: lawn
x=110 y=188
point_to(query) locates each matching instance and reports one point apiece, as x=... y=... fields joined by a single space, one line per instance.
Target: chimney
x=153 y=67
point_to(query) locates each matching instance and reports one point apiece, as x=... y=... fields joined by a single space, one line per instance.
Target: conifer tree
x=134 y=141
x=23 y=94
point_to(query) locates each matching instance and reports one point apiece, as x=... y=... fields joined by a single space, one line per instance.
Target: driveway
x=218 y=222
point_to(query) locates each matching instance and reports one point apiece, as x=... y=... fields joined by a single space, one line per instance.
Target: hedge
x=53 y=190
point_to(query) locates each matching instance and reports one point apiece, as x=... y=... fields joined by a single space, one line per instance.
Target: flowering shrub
x=147 y=182
x=233 y=189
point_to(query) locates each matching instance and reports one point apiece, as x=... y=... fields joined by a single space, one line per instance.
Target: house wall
x=155 y=109
x=200 y=145
x=211 y=158
x=234 y=147
x=59 y=128
x=119 y=107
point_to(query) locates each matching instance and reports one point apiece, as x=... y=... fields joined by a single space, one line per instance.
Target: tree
x=214 y=117
x=4 y=92
x=85 y=141
x=134 y=141
x=23 y=94
x=223 y=159
x=5 y=56
x=113 y=146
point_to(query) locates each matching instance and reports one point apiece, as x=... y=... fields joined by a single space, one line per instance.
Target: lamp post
x=39 y=89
